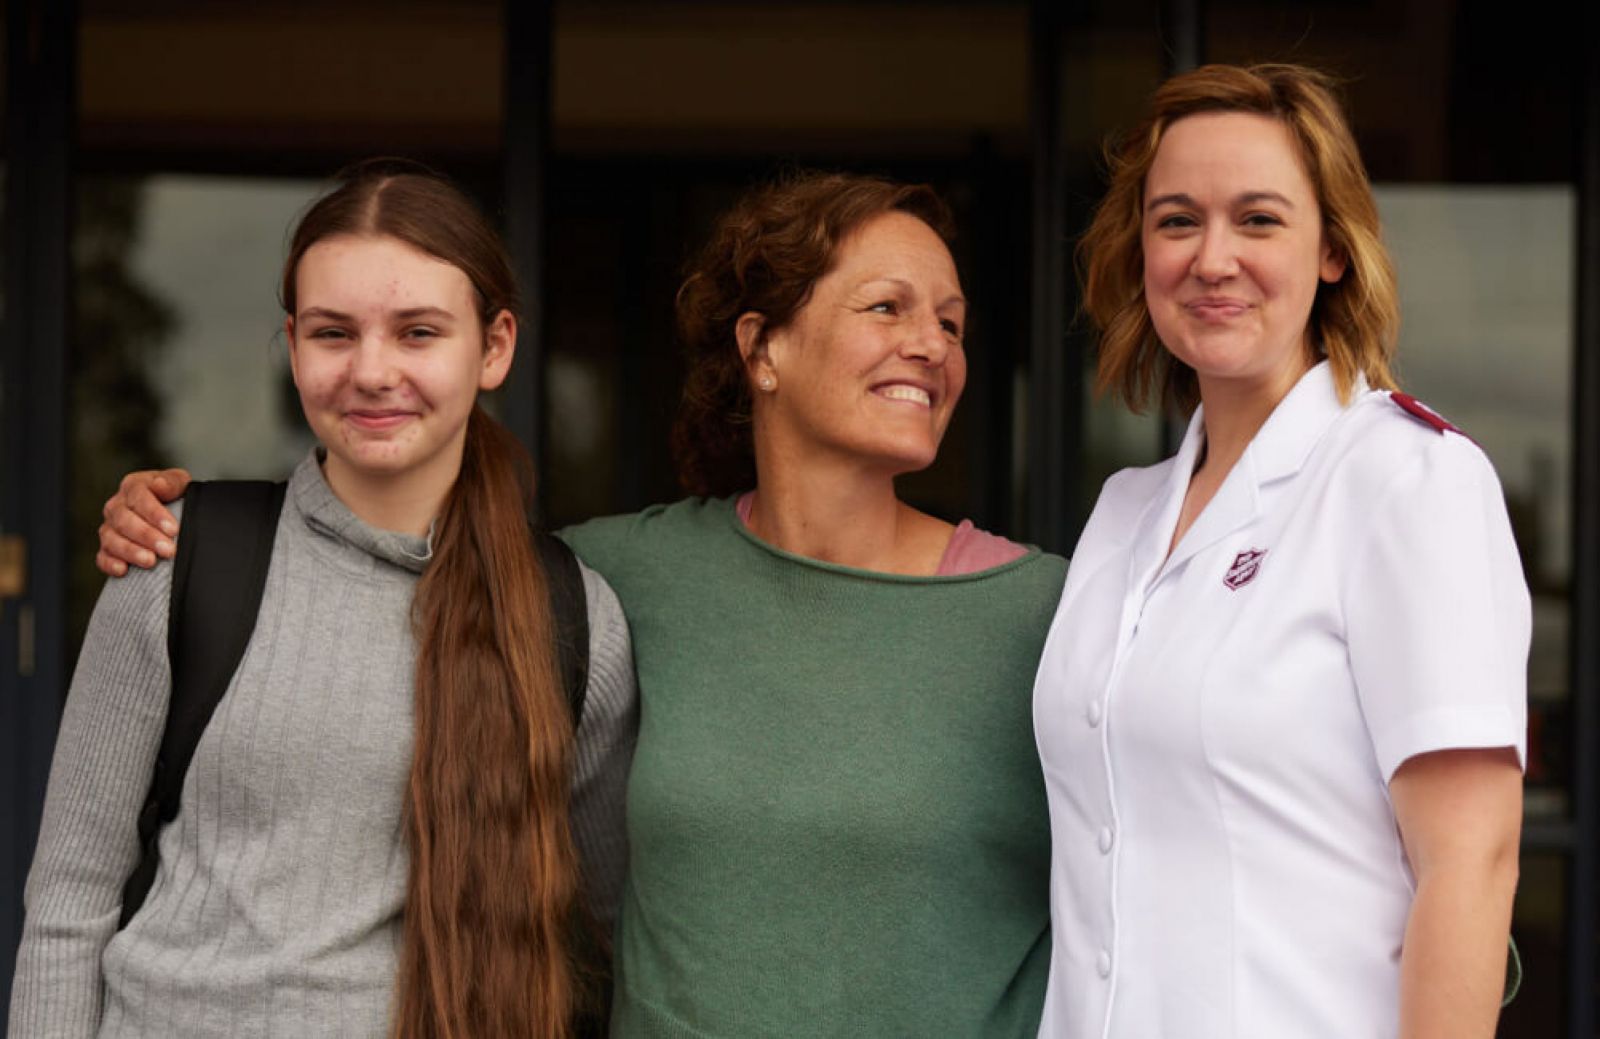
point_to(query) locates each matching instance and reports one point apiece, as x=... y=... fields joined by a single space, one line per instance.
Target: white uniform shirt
x=1218 y=728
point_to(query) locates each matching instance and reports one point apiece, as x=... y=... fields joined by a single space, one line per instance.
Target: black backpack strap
x=569 y=607
x=218 y=578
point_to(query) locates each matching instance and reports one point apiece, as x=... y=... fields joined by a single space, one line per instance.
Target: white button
x=1102 y=963
x=1093 y=713
x=1105 y=840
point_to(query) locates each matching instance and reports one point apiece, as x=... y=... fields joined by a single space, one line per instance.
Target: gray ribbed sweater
x=276 y=909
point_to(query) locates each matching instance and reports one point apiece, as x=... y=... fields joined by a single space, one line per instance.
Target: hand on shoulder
x=138 y=528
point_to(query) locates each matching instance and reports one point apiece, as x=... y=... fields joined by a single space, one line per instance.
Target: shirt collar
x=325 y=513
x=1284 y=442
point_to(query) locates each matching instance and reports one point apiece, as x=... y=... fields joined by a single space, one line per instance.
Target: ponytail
x=489 y=936
x=492 y=895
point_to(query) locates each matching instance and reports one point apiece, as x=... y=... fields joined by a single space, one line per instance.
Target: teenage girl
x=374 y=833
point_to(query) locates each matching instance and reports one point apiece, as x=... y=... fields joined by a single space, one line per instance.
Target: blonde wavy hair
x=1355 y=322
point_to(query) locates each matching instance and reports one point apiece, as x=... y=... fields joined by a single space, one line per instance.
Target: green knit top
x=836 y=817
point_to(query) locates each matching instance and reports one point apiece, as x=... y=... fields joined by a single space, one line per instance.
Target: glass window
x=1540 y=926
x=1486 y=290
x=212 y=250
x=664 y=114
x=202 y=131
x=176 y=335
x=1465 y=118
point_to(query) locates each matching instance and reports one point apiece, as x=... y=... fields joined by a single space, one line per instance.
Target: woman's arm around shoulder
x=605 y=739
x=88 y=836
x=138 y=528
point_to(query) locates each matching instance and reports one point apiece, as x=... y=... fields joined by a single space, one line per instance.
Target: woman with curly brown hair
x=1281 y=710
x=836 y=818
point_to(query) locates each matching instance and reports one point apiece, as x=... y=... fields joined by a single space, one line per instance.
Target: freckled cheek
x=450 y=395
x=319 y=386
x=318 y=390
x=446 y=379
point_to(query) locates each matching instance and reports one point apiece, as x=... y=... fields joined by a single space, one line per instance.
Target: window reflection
x=1486 y=292
x=213 y=248
x=1114 y=437
x=1540 y=928
x=176 y=348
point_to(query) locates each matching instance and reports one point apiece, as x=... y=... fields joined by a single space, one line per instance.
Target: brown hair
x=1355 y=322
x=764 y=256
x=491 y=898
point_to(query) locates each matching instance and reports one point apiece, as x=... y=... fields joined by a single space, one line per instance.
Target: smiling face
x=388 y=353
x=1233 y=250
x=870 y=369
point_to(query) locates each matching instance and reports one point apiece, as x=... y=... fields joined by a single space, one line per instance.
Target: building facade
x=155 y=153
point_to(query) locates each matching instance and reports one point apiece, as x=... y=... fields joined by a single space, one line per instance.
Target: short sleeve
x=1437 y=612
x=606 y=544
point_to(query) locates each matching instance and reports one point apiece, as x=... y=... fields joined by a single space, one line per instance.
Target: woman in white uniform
x=1281 y=710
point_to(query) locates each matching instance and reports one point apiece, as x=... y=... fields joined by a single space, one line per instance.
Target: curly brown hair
x=765 y=256
x=1355 y=322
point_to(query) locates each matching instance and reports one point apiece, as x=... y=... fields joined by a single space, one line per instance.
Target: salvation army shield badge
x=1244 y=569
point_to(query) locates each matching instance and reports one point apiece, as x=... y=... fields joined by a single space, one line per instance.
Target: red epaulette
x=1424 y=414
